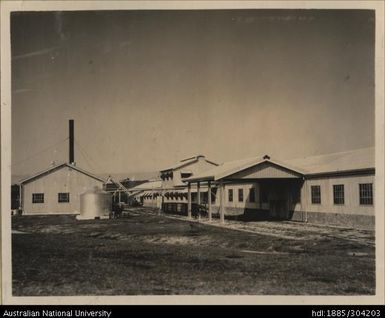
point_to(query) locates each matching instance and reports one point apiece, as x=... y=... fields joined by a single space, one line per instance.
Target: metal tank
x=95 y=204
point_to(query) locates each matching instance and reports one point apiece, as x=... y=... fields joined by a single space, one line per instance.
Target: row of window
x=240 y=195
x=365 y=193
x=62 y=197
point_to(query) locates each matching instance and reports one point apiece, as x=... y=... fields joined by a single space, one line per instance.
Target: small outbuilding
x=56 y=190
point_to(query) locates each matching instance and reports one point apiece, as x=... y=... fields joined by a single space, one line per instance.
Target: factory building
x=57 y=189
x=334 y=189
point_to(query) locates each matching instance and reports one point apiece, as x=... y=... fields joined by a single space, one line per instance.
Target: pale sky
x=148 y=88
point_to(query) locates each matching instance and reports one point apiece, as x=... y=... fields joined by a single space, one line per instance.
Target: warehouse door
x=279 y=201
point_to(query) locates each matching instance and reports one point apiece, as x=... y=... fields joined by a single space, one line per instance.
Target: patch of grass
x=148 y=254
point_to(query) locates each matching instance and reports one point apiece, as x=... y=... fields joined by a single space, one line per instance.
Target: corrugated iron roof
x=186 y=162
x=343 y=161
x=57 y=167
x=231 y=167
x=152 y=184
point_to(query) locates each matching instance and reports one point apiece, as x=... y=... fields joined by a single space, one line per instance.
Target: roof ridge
x=332 y=153
x=193 y=157
x=36 y=175
x=31 y=176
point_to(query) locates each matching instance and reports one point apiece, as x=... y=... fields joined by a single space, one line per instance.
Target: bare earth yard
x=147 y=254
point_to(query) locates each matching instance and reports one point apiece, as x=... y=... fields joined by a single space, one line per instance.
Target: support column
x=306 y=200
x=189 y=201
x=209 y=199
x=161 y=202
x=222 y=202
x=198 y=198
x=21 y=198
x=199 y=193
x=120 y=196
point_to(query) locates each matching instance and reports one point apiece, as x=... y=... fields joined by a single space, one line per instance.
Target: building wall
x=236 y=207
x=352 y=196
x=231 y=208
x=246 y=200
x=351 y=189
x=62 y=180
x=341 y=219
x=152 y=202
x=195 y=168
x=351 y=213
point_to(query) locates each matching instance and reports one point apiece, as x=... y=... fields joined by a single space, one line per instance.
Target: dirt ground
x=147 y=254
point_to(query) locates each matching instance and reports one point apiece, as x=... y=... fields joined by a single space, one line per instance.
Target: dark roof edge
x=342 y=173
x=212 y=162
x=192 y=179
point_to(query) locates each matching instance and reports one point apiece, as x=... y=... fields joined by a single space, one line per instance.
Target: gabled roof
x=354 y=160
x=149 y=185
x=57 y=167
x=357 y=159
x=186 y=162
x=232 y=167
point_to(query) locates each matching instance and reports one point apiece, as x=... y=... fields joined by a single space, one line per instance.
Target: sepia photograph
x=190 y=151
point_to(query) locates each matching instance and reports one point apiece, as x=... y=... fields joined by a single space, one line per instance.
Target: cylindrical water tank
x=95 y=204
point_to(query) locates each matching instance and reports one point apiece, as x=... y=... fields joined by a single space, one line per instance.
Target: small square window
x=63 y=197
x=37 y=197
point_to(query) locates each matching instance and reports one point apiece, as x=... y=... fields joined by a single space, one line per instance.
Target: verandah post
x=189 y=201
x=209 y=199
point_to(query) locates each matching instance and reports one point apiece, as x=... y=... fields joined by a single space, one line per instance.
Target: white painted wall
x=196 y=168
x=246 y=201
x=155 y=202
x=64 y=179
x=351 y=187
x=352 y=197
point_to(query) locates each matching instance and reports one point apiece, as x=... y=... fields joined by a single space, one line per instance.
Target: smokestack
x=71 y=142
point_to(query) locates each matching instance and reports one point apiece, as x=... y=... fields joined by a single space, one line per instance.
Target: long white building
x=336 y=188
